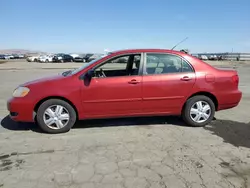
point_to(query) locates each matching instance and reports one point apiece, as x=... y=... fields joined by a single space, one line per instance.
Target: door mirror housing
x=88 y=75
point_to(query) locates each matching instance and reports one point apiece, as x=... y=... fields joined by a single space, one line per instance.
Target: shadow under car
x=232 y=132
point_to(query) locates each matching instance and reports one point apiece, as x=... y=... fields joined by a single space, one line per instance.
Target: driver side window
x=125 y=65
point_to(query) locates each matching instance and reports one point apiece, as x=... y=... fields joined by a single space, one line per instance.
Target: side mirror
x=90 y=73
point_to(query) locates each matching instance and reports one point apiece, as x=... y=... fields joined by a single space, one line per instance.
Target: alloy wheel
x=200 y=111
x=56 y=117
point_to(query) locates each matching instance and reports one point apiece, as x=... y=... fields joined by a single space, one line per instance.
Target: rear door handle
x=133 y=81
x=186 y=78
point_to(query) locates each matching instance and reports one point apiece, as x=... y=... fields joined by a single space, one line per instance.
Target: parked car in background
x=221 y=58
x=86 y=57
x=34 y=58
x=79 y=58
x=9 y=56
x=195 y=55
x=212 y=57
x=62 y=58
x=2 y=56
x=19 y=56
x=203 y=57
x=45 y=58
x=74 y=55
x=5 y=56
x=93 y=57
x=15 y=56
x=57 y=57
x=147 y=84
x=40 y=57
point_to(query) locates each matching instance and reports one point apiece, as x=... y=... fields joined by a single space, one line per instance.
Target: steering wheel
x=102 y=73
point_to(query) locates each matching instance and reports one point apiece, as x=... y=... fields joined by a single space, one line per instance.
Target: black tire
x=48 y=103
x=190 y=102
x=46 y=61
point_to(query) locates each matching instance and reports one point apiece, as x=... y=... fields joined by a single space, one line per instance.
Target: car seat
x=169 y=67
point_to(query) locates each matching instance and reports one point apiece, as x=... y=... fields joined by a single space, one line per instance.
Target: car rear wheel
x=56 y=116
x=198 y=111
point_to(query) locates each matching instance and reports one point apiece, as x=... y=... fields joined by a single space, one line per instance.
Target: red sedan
x=127 y=83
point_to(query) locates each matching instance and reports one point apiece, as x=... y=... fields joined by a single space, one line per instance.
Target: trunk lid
x=229 y=75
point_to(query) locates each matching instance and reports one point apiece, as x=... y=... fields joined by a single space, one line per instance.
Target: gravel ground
x=122 y=153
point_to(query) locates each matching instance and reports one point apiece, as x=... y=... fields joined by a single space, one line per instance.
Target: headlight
x=21 y=92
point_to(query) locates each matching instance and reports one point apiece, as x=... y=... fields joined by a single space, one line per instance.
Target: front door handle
x=133 y=81
x=186 y=78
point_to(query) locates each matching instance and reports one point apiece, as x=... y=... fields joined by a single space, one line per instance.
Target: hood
x=44 y=80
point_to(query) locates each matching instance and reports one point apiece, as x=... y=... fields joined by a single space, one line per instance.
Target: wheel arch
x=56 y=97
x=207 y=94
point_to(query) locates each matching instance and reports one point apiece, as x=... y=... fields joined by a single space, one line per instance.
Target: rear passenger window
x=165 y=64
x=186 y=67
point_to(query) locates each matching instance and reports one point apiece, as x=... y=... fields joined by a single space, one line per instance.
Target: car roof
x=155 y=50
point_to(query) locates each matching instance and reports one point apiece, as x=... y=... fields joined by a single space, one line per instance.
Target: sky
x=95 y=25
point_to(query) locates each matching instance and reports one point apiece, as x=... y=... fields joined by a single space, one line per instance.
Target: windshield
x=85 y=65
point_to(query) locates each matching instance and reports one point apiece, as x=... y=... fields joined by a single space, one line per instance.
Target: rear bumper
x=229 y=100
x=20 y=110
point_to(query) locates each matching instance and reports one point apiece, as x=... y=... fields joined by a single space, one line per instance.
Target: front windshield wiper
x=68 y=72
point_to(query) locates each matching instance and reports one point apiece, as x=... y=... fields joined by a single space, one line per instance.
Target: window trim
x=165 y=53
x=140 y=73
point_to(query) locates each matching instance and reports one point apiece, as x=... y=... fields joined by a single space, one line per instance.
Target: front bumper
x=20 y=110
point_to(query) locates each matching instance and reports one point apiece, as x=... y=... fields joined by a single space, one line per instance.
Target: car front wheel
x=56 y=116
x=198 y=111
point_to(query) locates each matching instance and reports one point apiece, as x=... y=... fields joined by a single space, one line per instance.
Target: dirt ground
x=124 y=153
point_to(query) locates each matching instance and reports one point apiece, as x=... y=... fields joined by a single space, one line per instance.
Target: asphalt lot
x=124 y=153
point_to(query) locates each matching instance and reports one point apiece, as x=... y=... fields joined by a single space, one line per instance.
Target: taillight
x=235 y=79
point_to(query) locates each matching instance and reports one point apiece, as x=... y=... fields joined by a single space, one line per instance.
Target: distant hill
x=19 y=51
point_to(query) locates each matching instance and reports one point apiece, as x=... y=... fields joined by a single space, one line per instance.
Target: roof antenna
x=179 y=43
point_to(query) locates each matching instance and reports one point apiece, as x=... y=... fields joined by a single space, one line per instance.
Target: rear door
x=167 y=80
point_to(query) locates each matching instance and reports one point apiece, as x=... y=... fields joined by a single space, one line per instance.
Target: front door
x=167 y=80
x=115 y=89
